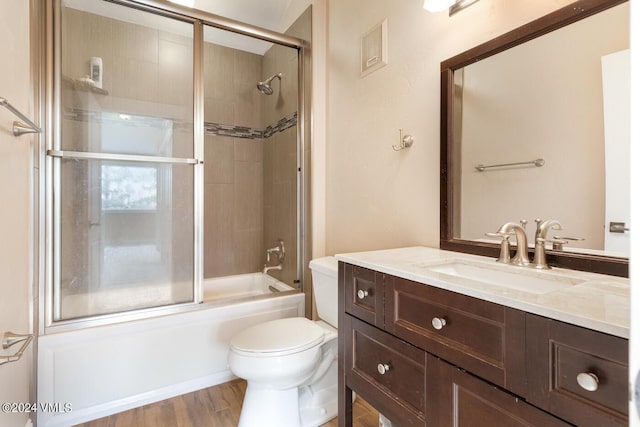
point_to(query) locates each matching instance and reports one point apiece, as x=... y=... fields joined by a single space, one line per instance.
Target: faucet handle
x=559 y=241
x=524 y=223
x=499 y=235
x=505 y=248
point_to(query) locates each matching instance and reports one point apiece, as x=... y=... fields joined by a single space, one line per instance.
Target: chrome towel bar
x=20 y=127
x=536 y=162
x=8 y=340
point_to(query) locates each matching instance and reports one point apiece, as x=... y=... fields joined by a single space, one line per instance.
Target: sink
x=508 y=276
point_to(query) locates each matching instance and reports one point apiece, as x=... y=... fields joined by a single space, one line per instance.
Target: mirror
x=533 y=125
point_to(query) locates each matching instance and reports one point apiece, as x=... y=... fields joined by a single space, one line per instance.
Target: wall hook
x=406 y=141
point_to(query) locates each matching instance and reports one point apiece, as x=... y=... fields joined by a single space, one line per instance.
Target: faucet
x=521 y=257
x=542 y=228
x=505 y=246
x=277 y=250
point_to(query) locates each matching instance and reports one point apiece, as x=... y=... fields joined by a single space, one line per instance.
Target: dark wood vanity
x=425 y=356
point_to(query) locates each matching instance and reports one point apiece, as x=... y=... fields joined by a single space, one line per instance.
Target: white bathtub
x=107 y=369
x=242 y=287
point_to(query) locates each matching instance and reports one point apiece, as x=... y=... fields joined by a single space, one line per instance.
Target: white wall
x=376 y=197
x=15 y=233
x=634 y=268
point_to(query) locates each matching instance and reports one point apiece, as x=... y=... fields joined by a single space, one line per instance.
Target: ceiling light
x=438 y=5
x=454 y=6
x=459 y=5
x=188 y=3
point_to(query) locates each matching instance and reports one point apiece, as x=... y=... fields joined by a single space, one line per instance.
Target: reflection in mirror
x=558 y=101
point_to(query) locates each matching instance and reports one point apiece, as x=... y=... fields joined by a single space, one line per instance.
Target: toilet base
x=267 y=407
x=318 y=401
x=318 y=414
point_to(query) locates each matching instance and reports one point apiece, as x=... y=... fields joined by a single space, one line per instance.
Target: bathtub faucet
x=277 y=250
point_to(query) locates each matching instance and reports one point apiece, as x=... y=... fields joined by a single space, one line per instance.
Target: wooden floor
x=217 y=406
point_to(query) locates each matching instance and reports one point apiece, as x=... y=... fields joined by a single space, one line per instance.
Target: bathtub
x=242 y=287
x=107 y=369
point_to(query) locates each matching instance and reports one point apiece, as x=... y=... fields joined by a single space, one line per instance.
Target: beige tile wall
x=250 y=184
x=233 y=192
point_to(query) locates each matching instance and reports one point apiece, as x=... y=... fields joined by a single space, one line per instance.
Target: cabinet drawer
x=387 y=372
x=558 y=353
x=364 y=294
x=482 y=337
x=457 y=398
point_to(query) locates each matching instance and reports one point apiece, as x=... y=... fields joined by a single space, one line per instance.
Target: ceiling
x=267 y=14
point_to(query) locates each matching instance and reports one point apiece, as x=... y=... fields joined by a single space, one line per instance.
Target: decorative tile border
x=251 y=133
x=80 y=115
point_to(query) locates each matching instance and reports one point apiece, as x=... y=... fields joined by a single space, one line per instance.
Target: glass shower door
x=123 y=165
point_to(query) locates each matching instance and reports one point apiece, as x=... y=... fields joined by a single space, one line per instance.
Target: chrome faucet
x=521 y=257
x=539 y=253
x=277 y=250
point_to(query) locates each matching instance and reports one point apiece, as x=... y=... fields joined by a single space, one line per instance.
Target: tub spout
x=267 y=268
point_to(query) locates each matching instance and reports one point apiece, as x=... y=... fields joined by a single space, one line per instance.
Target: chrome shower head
x=265 y=86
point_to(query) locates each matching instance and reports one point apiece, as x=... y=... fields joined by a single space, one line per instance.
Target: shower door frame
x=47 y=80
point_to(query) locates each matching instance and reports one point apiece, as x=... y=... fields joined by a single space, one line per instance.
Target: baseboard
x=114 y=407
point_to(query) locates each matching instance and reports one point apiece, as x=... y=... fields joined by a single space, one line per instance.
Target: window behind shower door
x=122 y=164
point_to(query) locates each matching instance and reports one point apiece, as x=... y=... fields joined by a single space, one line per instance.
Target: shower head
x=265 y=86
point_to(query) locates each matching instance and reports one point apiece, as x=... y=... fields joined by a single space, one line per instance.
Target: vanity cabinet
x=424 y=356
x=579 y=374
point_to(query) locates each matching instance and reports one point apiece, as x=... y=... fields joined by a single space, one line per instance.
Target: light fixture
x=453 y=5
x=438 y=5
x=459 y=5
x=188 y=3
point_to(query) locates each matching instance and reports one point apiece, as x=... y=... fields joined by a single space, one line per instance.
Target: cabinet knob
x=588 y=381
x=362 y=294
x=438 y=323
x=383 y=368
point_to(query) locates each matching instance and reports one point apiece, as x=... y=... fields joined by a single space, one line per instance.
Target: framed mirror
x=534 y=124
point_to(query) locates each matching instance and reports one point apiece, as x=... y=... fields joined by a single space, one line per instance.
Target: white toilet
x=291 y=365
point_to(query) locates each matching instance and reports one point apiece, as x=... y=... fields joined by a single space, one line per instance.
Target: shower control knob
x=383 y=368
x=362 y=294
x=438 y=323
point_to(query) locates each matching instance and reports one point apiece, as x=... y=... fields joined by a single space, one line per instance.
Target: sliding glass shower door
x=123 y=164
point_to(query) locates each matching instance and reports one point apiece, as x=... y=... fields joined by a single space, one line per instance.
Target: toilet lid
x=279 y=336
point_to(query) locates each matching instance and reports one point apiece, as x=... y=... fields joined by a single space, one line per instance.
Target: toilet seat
x=278 y=338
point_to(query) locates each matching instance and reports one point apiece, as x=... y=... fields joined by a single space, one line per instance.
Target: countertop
x=596 y=301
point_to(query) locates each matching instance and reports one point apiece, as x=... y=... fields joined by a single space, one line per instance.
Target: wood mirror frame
x=562 y=17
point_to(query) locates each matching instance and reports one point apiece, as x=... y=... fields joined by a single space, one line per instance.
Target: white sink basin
x=508 y=276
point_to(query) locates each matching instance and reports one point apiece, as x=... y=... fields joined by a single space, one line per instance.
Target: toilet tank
x=324 y=272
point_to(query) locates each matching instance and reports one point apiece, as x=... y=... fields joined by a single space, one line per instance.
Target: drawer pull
x=383 y=368
x=588 y=381
x=362 y=294
x=438 y=323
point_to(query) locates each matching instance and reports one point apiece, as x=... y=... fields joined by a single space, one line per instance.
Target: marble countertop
x=593 y=301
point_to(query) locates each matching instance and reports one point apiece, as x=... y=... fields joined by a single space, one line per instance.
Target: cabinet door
x=577 y=373
x=387 y=372
x=364 y=294
x=457 y=398
x=482 y=337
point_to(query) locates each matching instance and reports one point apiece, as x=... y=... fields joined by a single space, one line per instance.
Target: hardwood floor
x=217 y=406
